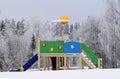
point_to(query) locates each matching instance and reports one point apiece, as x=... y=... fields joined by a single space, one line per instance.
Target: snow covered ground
x=64 y=74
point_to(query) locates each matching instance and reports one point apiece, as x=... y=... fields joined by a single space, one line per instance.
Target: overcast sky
x=77 y=10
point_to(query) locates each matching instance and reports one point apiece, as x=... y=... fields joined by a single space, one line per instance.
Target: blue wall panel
x=72 y=47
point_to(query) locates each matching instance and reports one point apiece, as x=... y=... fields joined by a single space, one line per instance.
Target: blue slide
x=28 y=64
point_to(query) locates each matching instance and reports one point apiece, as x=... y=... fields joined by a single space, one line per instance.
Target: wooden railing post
x=100 y=64
x=38 y=45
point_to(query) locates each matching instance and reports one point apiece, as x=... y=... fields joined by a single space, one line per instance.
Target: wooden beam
x=68 y=62
x=38 y=45
x=45 y=62
x=48 y=63
x=100 y=65
x=57 y=63
x=65 y=67
x=81 y=62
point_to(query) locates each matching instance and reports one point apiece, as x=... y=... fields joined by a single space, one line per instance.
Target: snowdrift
x=64 y=74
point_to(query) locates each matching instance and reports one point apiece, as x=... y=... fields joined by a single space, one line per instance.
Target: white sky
x=77 y=10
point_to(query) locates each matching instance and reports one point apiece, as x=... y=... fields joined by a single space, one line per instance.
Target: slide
x=29 y=63
x=90 y=53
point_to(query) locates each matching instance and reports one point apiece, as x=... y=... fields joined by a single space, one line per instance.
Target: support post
x=38 y=43
x=45 y=62
x=65 y=58
x=62 y=62
x=100 y=64
x=80 y=56
x=48 y=63
x=68 y=62
x=57 y=63
x=81 y=62
x=81 y=40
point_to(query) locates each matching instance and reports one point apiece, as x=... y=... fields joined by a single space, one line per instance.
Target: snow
x=64 y=74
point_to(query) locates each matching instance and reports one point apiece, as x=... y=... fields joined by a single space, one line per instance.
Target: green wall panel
x=51 y=47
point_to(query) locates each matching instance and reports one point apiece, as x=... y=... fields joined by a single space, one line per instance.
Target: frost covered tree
x=40 y=30
x=74 y=29
x=91 y=31
x=112 y=18
x=33 y=43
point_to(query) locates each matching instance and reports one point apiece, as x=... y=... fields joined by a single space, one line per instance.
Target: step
x=86 y=58
x=89 y=61
x=84 y=55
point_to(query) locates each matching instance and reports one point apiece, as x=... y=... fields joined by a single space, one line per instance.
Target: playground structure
x=69 y=49
x=63 y=49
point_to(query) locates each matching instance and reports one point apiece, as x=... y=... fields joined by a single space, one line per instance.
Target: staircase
x=88 y=61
